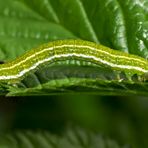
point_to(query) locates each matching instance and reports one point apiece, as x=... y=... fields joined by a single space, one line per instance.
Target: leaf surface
x=121 y=25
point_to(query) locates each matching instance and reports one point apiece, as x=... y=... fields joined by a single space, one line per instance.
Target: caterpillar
x=80 y=50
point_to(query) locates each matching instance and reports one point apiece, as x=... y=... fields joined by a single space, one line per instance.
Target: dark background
x=121 y=118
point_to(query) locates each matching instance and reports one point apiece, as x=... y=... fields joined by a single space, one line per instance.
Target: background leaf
x=114 y=23
x=76 y=138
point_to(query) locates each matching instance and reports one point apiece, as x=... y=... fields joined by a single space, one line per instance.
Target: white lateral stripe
x=75 y=46
x=21 y=73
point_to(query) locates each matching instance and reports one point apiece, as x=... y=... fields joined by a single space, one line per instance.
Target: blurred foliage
x=118 y=24
x=76 y=138
x=121 y=118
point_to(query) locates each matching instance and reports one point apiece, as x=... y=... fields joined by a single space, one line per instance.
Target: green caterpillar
x=62 y=50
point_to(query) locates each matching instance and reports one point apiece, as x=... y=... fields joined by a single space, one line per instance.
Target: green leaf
x=21 y=29
x=76 y=138
x=121 y=25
